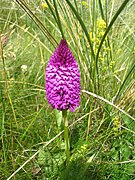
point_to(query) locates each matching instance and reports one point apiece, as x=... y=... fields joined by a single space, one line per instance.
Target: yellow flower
x=101 y=33
x=112 y=63
x=91 y=37
x=84 y=3
x=108 y=49
x=84 y=147
x=101 y=24
x=119 y=51
x=116 y=125
x=44 y=5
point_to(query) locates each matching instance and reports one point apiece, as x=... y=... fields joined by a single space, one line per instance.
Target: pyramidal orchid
x=63 y=85
x=63 y=79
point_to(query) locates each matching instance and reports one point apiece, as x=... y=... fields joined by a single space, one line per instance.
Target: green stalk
x=67 y=144
x=108 y=29
x=101 y=9
x=58 y=19
x=123 y=5
x=124 y=82
x=38 y=22
x=83 y=26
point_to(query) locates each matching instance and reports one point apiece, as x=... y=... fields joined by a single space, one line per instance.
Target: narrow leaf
x=41 y=157
x=58 y=115
x=83 y=26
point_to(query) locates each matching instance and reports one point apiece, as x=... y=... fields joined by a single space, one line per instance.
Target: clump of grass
x=101 y=36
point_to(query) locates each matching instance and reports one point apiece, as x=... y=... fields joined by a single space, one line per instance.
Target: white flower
x=24 y=68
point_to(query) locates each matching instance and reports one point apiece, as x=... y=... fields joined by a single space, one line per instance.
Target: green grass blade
x=58 y=19
x=124 y=82
x=108 y=102
x=83 y=26
x=106 y=33
x=38 y=22
x=101 y=9
x=58 y=115
x=109 y=27
x=51 y=9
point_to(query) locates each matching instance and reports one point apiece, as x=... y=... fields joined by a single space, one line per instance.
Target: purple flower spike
x=63 y=79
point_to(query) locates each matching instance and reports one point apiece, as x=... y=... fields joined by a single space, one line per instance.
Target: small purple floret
x=63 y=79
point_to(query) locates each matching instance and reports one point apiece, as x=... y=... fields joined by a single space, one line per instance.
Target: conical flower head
x=63 y=79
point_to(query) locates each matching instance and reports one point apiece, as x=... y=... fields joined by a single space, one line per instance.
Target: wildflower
x=24 y=68
x=85 y=4
x=116 y=125
x=91 y=37
x=44 y=5
x=101 y=23
x=63 y=79
x=112 y=64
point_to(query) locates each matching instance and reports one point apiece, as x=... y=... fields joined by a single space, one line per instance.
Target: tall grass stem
x=58 y=18
x=67 y=144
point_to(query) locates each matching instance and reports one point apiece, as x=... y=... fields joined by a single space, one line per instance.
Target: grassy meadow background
x=101 y=36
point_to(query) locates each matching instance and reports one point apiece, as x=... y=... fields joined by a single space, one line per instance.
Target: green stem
x=67 y=144
x=58 y=19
